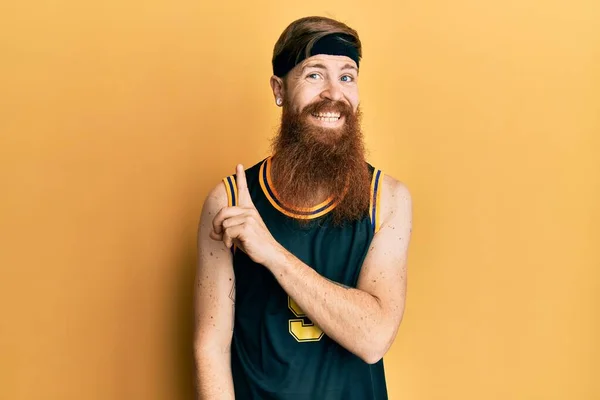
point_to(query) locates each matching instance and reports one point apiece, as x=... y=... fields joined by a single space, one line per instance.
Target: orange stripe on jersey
x=228 y=190
x=371 y=200
x=378 y=203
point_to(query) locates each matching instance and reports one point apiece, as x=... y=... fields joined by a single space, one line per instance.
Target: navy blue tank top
x=276 y=351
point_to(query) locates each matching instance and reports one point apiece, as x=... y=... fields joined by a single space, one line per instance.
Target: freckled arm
x=364 y=320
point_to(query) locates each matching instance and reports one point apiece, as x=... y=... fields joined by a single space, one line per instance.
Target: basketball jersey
x=276 y=351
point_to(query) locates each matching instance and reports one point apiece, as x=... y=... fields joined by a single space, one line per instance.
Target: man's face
x=325 y=85
x=320 y=146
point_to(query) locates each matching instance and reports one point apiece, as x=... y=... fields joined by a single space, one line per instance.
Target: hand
x=243 y=226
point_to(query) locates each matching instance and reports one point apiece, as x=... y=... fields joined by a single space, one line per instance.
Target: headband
x=334 y=44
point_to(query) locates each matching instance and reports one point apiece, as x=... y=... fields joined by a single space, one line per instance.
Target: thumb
x=244 y=198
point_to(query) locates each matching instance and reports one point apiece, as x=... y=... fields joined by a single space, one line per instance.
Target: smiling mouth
x=327 y=117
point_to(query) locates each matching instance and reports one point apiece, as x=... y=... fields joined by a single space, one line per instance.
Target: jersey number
x=301 y=329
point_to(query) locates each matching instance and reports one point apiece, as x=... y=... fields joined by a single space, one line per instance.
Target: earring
x=279 y=101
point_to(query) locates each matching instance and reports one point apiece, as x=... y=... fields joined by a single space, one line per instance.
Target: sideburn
x=310 y=160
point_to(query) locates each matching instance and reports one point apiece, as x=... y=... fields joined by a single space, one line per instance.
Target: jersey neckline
x=266 y=183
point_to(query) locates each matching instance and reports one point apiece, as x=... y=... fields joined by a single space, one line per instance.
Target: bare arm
x=362 y=320
x=214 y=306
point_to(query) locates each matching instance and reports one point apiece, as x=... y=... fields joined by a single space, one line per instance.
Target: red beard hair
x=310 y=159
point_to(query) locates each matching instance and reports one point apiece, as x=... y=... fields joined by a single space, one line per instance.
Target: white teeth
x=326 y=119
x=328 y=115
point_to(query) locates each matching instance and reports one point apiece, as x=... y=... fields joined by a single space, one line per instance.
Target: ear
x=278 y=89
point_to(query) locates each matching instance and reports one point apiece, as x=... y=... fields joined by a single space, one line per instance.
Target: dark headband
x=335 y=44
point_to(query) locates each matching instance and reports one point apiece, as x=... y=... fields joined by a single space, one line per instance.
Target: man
x=301 y=275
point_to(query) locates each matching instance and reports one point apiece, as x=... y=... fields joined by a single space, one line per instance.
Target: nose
x=333 y=91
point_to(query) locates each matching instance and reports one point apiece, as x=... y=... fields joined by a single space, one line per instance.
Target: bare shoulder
x=218 y=195
x=215 y=200
x=395 y=201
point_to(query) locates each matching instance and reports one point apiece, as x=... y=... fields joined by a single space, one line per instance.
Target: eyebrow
x=349 y=66
x=310 y=65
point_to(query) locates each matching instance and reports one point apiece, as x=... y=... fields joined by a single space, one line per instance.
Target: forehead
x=329 y=61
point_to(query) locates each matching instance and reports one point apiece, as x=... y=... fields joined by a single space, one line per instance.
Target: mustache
x=325 y=105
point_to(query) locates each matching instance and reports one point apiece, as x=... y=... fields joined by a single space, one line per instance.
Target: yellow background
x=117 y=117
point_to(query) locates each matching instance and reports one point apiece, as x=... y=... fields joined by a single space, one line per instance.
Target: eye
x=313 y=76
x=347 y=78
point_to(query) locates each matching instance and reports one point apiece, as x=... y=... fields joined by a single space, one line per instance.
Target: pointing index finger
x=242 y=187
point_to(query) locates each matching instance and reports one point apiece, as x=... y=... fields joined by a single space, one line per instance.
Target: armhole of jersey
x=374 y=204
x=231 y=189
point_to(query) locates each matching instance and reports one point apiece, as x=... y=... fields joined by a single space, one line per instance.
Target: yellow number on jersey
x=300 y=329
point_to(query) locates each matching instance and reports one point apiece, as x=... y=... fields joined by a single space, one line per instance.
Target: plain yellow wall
x=117 y=117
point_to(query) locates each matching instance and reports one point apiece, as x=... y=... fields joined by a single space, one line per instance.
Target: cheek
x=352 y=97
x=354 y=103
x=307 y=92
x=302 y=100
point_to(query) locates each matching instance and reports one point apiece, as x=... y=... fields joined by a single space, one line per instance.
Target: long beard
x=310 y=159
